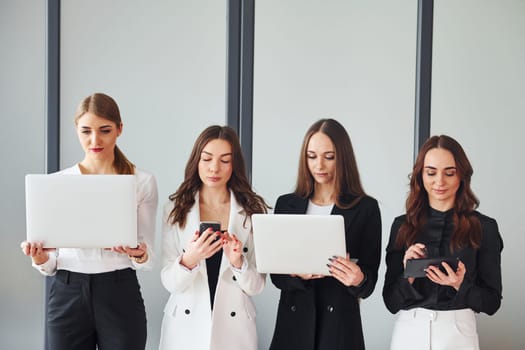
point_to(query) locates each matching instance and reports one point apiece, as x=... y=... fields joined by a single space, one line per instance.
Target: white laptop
x=297 y=244
x=81 y=211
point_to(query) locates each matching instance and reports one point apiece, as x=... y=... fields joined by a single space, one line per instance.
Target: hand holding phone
x=202 y=247
x=214 y=225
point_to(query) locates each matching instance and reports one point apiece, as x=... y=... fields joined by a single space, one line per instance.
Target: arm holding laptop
x=142 y=257
x=364 y=243
x=43 y=258
x=138 y=257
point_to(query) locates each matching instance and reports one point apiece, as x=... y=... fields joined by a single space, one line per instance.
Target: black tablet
x=416 y=267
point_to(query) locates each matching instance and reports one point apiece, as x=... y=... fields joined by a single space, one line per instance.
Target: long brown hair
x=467 y=228
x=238 y=183
x=347 y=179
x=104 y=106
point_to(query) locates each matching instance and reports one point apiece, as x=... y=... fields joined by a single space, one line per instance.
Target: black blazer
x=323 y=314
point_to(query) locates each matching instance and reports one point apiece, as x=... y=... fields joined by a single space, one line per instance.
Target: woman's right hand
x=415 y=251
x=201 y=246
x=36 y=251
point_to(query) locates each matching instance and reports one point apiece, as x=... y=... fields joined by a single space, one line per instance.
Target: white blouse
x=315 y=209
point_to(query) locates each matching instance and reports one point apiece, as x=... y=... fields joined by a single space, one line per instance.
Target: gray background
x=165 y=64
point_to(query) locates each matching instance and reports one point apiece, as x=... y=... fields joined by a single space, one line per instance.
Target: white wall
x=478 y=97
x=165 y=61
x=22 y=69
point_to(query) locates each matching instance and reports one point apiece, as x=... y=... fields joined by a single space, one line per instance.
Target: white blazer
x=188 y=321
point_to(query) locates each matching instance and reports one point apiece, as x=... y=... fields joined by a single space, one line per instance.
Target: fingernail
x=329 y=266
x=331 y=259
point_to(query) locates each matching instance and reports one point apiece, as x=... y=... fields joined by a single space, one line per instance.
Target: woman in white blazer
x=211 y=275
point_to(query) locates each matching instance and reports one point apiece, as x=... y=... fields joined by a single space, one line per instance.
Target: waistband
x=117 y=275
x=434 y=315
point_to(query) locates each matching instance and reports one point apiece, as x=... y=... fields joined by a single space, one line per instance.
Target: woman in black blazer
x=437 y=310
x=322 y=312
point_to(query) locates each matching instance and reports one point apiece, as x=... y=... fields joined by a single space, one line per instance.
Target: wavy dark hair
x=347 y=179
x=467 y=228
x=104 y=106
x=238 y=183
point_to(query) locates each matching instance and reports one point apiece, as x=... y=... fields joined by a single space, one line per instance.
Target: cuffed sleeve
x=49 y=268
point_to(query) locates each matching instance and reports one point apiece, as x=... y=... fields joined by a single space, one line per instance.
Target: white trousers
x=424 y=329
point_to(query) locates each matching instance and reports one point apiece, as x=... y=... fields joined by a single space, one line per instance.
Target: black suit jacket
x=323 y=314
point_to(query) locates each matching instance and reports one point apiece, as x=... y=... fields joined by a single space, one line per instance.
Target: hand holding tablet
x=417 y=267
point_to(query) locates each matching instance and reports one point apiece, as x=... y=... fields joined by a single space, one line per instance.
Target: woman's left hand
x=139 y=253
x=450 y=278
x=346 y=271
x=232 y=247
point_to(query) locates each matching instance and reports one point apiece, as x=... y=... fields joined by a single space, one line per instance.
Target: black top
x=213 y=264
x=481 y=287
x=323 y=314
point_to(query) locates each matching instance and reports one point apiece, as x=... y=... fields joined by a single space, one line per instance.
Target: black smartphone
x=416 y=267
x=215 y=226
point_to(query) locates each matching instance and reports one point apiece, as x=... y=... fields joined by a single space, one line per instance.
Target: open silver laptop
x=297 y=244
x=81 y=211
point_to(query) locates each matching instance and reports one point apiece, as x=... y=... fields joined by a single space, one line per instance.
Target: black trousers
x=90 y=310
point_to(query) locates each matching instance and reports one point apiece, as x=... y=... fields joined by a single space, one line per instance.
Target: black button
x=245 y=249
x=330 y=308
x=293 y=308
x=234 y=278
x=187 y=311
x=232 y=314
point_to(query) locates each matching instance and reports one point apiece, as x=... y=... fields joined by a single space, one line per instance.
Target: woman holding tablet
x=95 y=300
x=211 y=272
x=436 y=311
x=322 y=312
